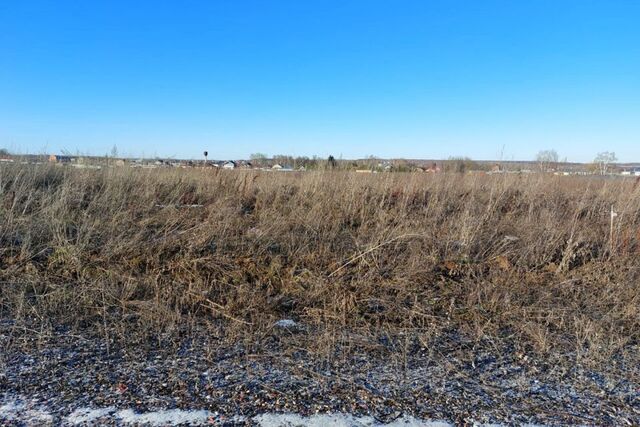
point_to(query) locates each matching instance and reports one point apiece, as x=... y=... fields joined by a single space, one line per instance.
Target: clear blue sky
x=418 y=79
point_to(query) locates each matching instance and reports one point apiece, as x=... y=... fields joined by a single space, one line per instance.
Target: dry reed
x=352 y=257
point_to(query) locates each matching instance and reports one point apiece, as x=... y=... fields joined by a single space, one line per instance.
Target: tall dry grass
x=351 y=257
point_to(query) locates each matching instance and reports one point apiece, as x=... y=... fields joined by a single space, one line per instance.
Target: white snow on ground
x=9 y=410
x=19 y=410
x=286 y=323
x=165 y=417
x=87 y=415
x=339 y=420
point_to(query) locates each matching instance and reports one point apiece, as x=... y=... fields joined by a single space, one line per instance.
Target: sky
x=488 y=79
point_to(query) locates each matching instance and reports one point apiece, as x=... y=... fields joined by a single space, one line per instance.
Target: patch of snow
x=339 y=420
x=9 y=410
x=164 y=417
x=39 y=415
x=87 y=415
x=15 y=410
x=286 y=323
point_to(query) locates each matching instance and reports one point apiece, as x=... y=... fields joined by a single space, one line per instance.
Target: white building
x=631 y=172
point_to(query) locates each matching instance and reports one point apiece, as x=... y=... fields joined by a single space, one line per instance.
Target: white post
x=613 y=215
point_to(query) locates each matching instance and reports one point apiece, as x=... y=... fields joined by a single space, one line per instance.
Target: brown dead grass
x=523 y=258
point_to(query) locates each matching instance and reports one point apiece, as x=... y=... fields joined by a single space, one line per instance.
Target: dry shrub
x=352 y=257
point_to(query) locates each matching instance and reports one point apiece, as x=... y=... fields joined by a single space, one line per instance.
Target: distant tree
x=402 y=165
x=301 y=161
x=604 y=160
x=547 y=159
x=258 y=156
x=4 y=152
x=331 y=162
x=312 y=163
x=283 y=160
x=460 y=164
x=371 y=162
x=114 y=151
x=258 y=159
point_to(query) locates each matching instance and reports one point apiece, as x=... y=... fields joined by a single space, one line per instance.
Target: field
x=385 y=266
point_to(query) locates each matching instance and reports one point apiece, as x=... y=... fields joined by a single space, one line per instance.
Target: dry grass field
x=383 y=262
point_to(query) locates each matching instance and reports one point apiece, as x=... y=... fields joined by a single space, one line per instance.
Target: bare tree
x=259 y=159
x=604 y=160
x=460 y=164
x=547 y=160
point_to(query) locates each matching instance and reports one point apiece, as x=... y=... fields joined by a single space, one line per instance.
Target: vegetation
x=461 y=165
x=547 y=160
x=524 y=260
x=604 y=160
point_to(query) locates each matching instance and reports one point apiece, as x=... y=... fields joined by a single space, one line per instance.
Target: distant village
x=283 y=163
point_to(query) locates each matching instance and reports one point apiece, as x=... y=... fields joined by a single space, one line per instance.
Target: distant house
x=229 y=165
x=56 y=158
x=632 y=171
x=434 y=168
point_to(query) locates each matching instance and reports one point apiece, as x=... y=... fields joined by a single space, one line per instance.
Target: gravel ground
x=69 y=374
